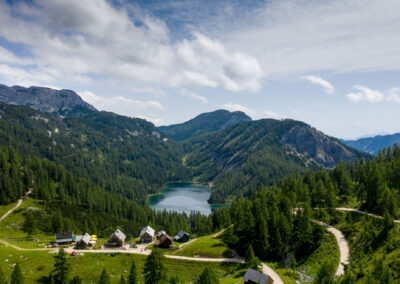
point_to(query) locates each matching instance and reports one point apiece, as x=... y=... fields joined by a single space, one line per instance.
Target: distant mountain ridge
x=203 y=124
x=373 y=145
x=44 y=99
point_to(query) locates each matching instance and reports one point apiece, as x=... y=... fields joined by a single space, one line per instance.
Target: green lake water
x=183 y=197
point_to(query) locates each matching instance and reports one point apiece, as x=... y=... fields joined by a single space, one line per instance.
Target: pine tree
x=208 y=276
x=132 y=279
x=154 y=271
x=104 y=277
x=60 y=272
x=16 y=276
x=251 y=260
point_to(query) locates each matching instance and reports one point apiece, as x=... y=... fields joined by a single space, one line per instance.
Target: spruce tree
x=208 y=276
x=154 y=271
x=132 y=279
x=29 y=224
x=104 y=277
x=60 y=272
x=16 y=276
x=251 y=260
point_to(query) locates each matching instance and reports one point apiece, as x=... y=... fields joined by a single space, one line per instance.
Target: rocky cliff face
x=315 y=145
x=44 y=99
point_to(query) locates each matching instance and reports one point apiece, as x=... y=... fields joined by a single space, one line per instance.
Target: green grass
x=4 y=208
x=207 y=246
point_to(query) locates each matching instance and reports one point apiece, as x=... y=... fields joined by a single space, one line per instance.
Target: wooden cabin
x=160 y=234
x=147 y=234
x=117 y=239
x=83 y=241
x=182 y=236
x=256 y=277
x=164 y=242
x=64 y=238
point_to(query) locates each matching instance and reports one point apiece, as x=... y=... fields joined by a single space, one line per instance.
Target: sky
x=334 y=64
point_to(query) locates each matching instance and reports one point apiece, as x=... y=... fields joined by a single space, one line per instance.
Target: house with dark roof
x=117 y=239
x=147 y=234
x=164 y=242
x=83 y=241
x=256 y=277
x=64 y=238
x=182 y=236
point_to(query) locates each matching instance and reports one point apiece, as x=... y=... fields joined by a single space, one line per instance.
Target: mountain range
x=226 y=149
x=373 y=145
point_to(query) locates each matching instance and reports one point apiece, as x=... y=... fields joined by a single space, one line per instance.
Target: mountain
x=48 y=100
x=203 y=124
x=241 y=157
x=373 y=145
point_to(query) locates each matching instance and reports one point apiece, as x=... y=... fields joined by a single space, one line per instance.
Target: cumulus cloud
x=124 y=106
x=329 y=88
x=365 y=94
x=80 y=40
x=239 y=107
x=394 y=95
x=193 y=95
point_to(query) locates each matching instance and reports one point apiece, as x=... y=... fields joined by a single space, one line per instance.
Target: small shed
x=182 y=236
x=256 y=277
x=164 y=242
x=64 y=238
x=83 y=241
x=160 y=234
x=147 y=234
x=117 y=239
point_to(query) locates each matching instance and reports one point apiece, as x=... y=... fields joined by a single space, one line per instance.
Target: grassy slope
x=207 y=246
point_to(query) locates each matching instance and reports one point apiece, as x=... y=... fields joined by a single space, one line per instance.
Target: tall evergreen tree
x=29 y=225
x=132 y=279
x=208 y=276
x=104 y=277
x=16 y=276
x=251 y=259
x=61 y=267
x=154 y=271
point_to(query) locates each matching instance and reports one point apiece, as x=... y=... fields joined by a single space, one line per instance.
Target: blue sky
x=332 y=64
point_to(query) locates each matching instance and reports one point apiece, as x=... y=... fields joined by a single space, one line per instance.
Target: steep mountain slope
x=59 y=102
x=124 y=155
x=373 y=145
x=203 y=124
x=245 y=155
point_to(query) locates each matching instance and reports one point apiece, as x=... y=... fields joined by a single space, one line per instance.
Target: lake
x=183 y=197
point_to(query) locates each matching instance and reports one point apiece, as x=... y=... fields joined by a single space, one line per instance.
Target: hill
x=203 y=124
x=48 y=100
x=373 y=145
x=243 y=156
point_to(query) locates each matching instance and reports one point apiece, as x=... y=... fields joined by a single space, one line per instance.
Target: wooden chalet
x=182 y=236
x=164 y=242
x=256 y=277
x=83 y=241
x=160 y=234
x=64 y=238
x=147 y=234
x=117 y=239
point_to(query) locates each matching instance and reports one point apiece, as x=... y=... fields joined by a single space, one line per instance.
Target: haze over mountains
x=373 y=145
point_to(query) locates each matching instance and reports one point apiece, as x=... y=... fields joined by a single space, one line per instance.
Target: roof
x=161 y=233
x=163 y=239
x=118 y=233
x=147 y=230
x=180 y=234
x=255 y=276
x=64 y=235
x=85 y=238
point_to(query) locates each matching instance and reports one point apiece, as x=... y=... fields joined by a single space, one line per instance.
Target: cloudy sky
x=333 y=64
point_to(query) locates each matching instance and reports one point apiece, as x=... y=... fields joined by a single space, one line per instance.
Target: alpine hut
x=117 y=239
x=256 y=277
x=64 y=238
x=83 y=241
x=147 y=234
x=164 y=242
x=182 y=236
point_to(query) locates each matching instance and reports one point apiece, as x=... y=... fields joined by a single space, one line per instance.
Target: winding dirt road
x=16 y=206
x=362 y=212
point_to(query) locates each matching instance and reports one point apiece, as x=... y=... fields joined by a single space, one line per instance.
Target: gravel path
x=16 y=206
x=362 y=212
x=342 y=244
x=269 y=271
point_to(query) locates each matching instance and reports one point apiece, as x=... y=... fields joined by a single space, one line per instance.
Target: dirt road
x=362 y=212
x=16 y=206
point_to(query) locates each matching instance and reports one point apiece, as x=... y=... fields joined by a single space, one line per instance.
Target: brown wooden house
x=164 y=242
x=117 y=239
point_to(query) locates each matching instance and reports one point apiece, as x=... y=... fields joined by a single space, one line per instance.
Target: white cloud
x=365 y=94
x=81 y=40
x=239 y=107
x=329 y=88
x=272 y=114
x=124 y=106
x=394 y=95
x=193 y=95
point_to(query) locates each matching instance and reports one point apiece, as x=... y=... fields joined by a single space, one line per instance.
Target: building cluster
x=80 y=241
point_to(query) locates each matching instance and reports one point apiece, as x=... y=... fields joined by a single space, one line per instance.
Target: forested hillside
x=203 y=124
x=373 y=145
x=118 y=153
x=243 y=156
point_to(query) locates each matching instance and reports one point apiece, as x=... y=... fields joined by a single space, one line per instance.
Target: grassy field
x=5 y=208
x=207 y=246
